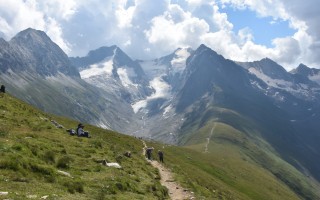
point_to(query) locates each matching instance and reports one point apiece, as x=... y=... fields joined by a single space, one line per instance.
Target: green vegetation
x=38 y=159
x=237 y=166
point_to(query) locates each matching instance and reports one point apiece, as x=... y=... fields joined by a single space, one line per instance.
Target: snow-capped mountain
x=110 y=69
x=170 y=98
x=36 y=70
x=165 y=75
x=277 y=80
x=307 y=73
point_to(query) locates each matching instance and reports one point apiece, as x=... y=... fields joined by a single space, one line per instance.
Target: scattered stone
x=116 y=165
x=64 y=173
x=56 y=124
x=32 y=196
x=4 y=193
x=105 y=163
x=44 y=197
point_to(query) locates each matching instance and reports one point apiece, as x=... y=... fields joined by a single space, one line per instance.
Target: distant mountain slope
x=36 y=70
x=176 y=97
x=110 y=69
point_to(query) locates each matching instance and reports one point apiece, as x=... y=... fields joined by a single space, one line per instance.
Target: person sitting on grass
x=81 y=132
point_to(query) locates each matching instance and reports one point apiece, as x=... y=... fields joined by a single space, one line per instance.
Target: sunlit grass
x=33 y=151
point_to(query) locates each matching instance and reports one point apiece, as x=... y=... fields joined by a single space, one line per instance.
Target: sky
x=286 y=31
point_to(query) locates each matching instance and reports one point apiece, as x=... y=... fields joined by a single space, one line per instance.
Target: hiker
x=160 y=154
x=3 y=89
x=81 y=132
x=149 y=152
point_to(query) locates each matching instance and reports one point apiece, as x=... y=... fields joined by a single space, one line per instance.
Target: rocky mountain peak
x=38 y=54
x=31 y=38
x=302 y=70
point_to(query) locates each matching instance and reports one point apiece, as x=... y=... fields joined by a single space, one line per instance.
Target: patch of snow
x=124 y=75
x=167 y=110
x=315 y=78
x=276 y=83
x=153 y=69
x=299 y=90
x=105 y=67
x=139 y=105
x=179 y=62
x=162 y=90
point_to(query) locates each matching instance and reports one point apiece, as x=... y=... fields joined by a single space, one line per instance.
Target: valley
x=241 y=125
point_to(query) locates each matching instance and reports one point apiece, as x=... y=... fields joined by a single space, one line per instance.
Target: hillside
x=33 y=150
x=222 y=162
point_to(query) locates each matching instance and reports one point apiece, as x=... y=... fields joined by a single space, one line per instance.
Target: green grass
x=33 y=150
x=237 y=166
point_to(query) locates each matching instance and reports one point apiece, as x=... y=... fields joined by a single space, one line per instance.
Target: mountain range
x=178 y=98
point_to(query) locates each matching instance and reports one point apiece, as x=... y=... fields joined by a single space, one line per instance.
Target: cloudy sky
x=287 y=31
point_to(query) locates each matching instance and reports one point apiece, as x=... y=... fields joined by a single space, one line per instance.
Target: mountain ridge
x=176 y=98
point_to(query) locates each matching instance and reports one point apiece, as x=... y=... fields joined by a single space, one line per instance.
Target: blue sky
x=237 y=29
x=264 y=29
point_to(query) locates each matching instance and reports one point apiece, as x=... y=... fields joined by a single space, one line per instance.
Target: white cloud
x=148 y=29
x=175 y=28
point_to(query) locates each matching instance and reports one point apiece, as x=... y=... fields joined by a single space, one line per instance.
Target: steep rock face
x=206 y=73
x=33 y=51
x=304 y=72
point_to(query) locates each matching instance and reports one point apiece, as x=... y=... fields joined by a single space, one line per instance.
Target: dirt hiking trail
x=176 y=192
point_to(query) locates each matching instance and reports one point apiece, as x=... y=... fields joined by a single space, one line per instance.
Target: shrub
x=4 y=131
x=64 y=162
x=96 y=144
x=49 y=157
x=17 y=147
x=74 y=186
x=9 y=164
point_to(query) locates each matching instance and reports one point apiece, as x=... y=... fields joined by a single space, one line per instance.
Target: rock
x=4 y=193
x=32 y=196
x=64 y=173
x=116 y=165
x=44 y=197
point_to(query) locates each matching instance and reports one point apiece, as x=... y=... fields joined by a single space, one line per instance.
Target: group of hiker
x=79 y=131
x=149 y=154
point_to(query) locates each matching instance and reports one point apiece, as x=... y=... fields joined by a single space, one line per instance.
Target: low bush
x=64 y=162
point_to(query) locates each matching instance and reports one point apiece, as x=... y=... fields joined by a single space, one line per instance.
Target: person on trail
x=160 y=154
x=3 y=89
x=81 y=132
x=149 y=152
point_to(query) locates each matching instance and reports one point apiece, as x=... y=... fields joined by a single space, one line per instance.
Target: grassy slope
x=32 y=151
x=239 y=164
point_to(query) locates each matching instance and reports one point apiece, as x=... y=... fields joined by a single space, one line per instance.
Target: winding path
x=208 y=139
x=176 y=192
